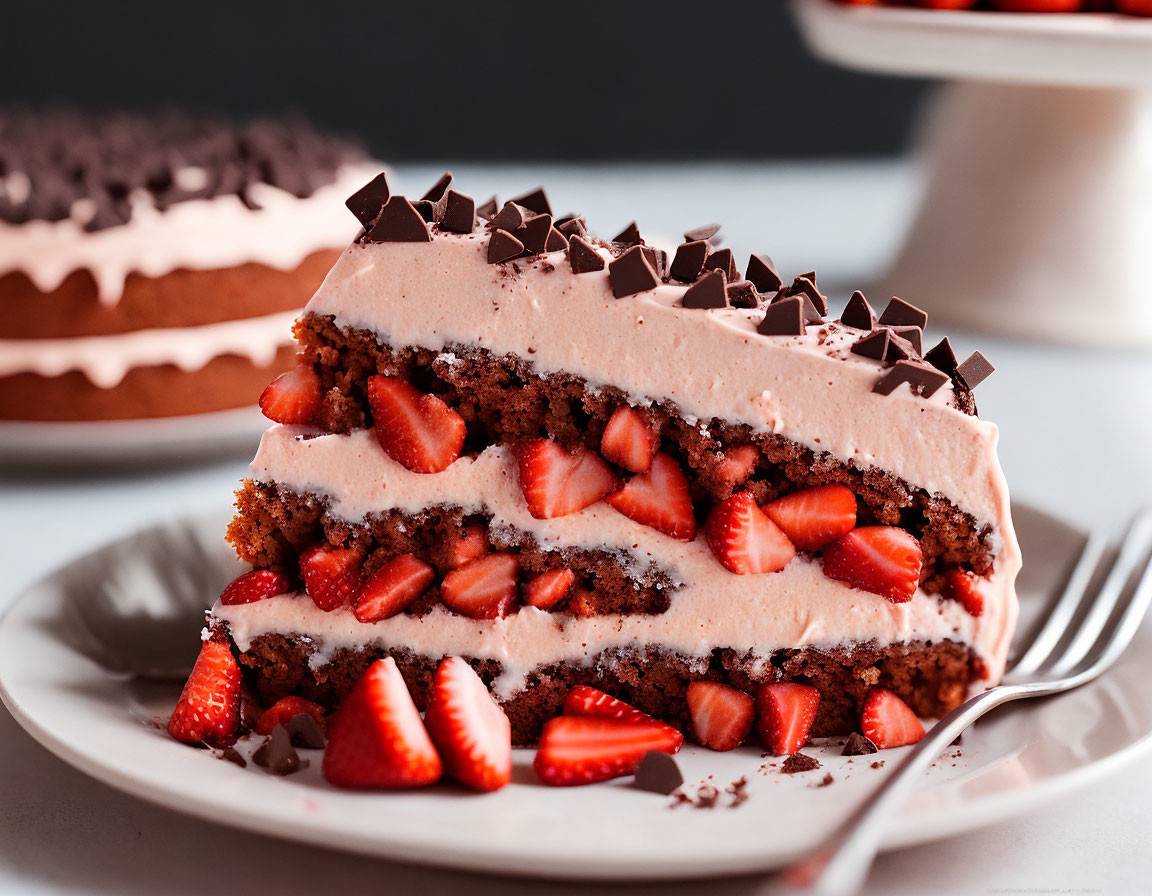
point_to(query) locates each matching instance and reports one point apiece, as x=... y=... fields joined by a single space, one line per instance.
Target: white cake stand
x=1036 y=220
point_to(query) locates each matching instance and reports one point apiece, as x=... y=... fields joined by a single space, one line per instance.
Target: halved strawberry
x=376 y=737
x=737 y=464
x=583 y=700
x=557 y=482
x=721 y=715
x=659 y=499
x=255 y=585
x=285 y=710
x=484 y=588
x=883 y=560
x=331 y=576
x=208 y=710
x=628 y=441
x=466 y=544
x=417 y=431
x=815 y=516
x=586 y=749
x=293 y=397
x=549 y=588
x=964 y=587
x=887 y=721
x=392 y=588
x=786 y=712
x=471 y=732
x=744 y=539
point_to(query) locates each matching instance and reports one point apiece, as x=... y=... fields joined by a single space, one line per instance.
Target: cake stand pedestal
x=1036 y=220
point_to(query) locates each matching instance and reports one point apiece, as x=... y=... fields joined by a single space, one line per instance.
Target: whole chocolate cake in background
x=151 y=267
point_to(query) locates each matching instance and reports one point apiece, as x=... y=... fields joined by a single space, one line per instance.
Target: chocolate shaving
x=658 y=773
x=722 y=260
x=902 y=314
x=689 y=261
x=488 y=209
x=707 y=292
x=942 y=357
x=439 y=188
x=762 y=273
x=632 y=273
x=922 y=379
x=629 y=236
x=510 y=217
x=535 y=201
x=974 y=370
x=457 y=213
x=799 y=762
x=367 y=202
x=277 y=754
x=502 y=246
x=399 y=222
x=742 y=294
x=874 y=345
x=783 y=318
x=702 y=233
x=583 y=257
x=858 y=745
x=858 y=313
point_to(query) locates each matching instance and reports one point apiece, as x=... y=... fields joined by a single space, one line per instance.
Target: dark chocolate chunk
x=658 y=258
x=722 y=260
x=899 y=348
x=582 y=257
x=783 y=318
x=303 y=732
x=426 y=209
x=535 y=201
x=702 y=233
x=230 y=754
x=922 y=379
x=629 y=236
x=502 y=246
x=858 y=745
x=459 y=212
x=556 y=241
x=742 y=294
x=366 y=202
x=858 y=313
x=659 y=773
x=799 y=762
x=762 y=272
x=942 y=357
x=277 y=753
x=913 y=335
x=874 y=345
x=534 y=233
x=573 y=227
x=974 y=370
x=439 y=188
x=807 y=284
x=399 y=222
x=632 y=273
x=510 y=217
x=689 y=260
x=707 y=292
x=901 y=314
x=488 y=209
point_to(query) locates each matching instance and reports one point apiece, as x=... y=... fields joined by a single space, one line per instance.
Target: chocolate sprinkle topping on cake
x=556 y=241
x=722 y=260
x=783 y=318
x=942 y=357
x=488 y=209
x=632 y=273
x=806 y=284
x=658 y=258
x=742 y=294
x=913 y=335
x=535 y=201
x=702 y=233
x=762 y=273
x=399 y=222
x=689 y=260
x=573 y=226
x=629 y=236
x=858 y=313
x=459 y=212
x=858 y=745
x=922 y=379
x=707 y=292
x=902 y=314
x=974 y=370
x=534 y=233
x=874 y=345
x=502 y=246
x=899 y=348
x=510 y=217
x=366 y=202
x=582 y=257
x=658 y=773
x=439 y=188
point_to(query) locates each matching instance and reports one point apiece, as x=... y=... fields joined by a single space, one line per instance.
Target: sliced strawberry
x=208 y=710
x=549 y=588
x=659 y=499
x=737 y=464
x=628 y=441
x=256 y=585
x=964 y=587
x=471 y=732
x=583 y=700
x=556 y=482
x=883 y=560
x=815 y=516
x=293 y=397
x=484 y=588
x=376 y=737
x=786 y=712
x=586 y=749
x=721 y=715
x=417 y=431
x=285 y=710
x=887 y=721
x=392 y=588
x=466 y=544
x=331 y=576
x=744 y=539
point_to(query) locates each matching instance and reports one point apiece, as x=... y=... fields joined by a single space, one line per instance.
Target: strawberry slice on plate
x=392 y=588
x=722 y=716
x=883 y=560
x=659 y=499
x=418 y=431
x=549 y=588
x=628 y=441
x=786 y=713
x=557 y=482
x=376 y=737
x=887 y=721
x=285 y=710
x=257 y=584
x=964 y=587
x=208 y=710
x=484 y=588
x=331 y=576
x=293 y=397
x=471 y=732
x=584 y=700
x=586 y=749
x=744 y=539
x=816 y=516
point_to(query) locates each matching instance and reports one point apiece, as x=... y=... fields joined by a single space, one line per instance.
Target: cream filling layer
x=200 y=234
x=796 y=607
x=105 y=360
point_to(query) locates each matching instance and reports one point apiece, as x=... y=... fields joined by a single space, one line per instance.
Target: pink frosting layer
x=796 y=607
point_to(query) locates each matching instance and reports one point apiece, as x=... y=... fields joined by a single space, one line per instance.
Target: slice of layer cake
x=572 y=461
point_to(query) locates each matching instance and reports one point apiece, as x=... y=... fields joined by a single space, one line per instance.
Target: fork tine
x=1115 y=641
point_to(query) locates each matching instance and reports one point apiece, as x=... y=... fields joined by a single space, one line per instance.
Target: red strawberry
x=1037 y=5
x=293 y=397
x=786 y=711
x=331 y=576
x=484 y=588
x=721 y=715
x=209 y=707
x=285 y=710
x=549 y=588
x=417 y=431
x=744 y=539
x=628 y=441
x=556 y=482
x=947 y=4
x=466 y=544
x=881 y=559
x=583 y=700
x=659 y=499
x=587 y=749
x=964 y=587
x=1135 y=7
x=815 y=516
x=376 y=737
x=737 y=464
x=471 y=732
x=887 y=721
x=255 y=585
x=392 y=588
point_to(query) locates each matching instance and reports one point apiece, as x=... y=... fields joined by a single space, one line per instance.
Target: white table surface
x=1076 y=439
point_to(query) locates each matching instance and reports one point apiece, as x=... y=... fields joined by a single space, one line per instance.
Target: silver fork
x=1087 y=631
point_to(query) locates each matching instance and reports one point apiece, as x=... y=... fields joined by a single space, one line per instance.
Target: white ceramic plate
x=112 y=729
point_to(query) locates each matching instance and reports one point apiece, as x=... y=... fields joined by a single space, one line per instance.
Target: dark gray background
x=469 y=80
